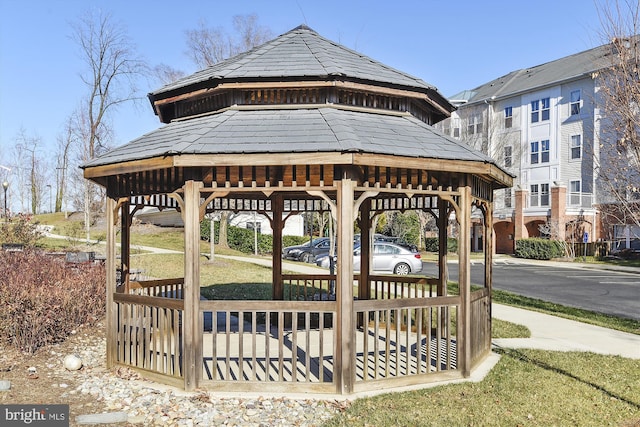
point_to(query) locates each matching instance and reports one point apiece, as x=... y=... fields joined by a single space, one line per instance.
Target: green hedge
x=536 y=248
x=431 y=244
x=242 y=239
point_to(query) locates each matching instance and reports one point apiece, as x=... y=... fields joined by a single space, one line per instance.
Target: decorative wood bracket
x=212 y=196
x=323 y=196
x=178 y=198
x=364 y=196
x=121 y=201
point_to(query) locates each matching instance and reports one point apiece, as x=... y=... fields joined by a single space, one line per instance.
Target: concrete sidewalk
x=559 y=334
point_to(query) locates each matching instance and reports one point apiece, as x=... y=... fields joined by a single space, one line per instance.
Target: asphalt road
x=605 y=291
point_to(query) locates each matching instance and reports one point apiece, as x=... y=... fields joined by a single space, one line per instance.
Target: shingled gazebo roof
x=326 y=129
x=299 y=93
x=301 y=54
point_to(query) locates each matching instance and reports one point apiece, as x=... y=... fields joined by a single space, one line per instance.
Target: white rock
x=72 y=362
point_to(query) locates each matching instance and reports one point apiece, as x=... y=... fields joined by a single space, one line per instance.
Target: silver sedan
x=387 y=258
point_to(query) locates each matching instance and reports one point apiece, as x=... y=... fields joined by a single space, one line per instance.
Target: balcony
x=582 y=200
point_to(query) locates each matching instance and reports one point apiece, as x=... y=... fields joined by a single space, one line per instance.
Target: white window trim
x=578 y=102
x=571 y=147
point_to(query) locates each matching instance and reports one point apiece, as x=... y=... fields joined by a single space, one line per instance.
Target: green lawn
x=526 y=388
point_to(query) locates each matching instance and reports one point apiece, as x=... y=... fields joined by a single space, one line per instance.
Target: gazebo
x=300 y=124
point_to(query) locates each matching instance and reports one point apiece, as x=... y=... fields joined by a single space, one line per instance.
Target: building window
x=574 y=186
x=508 y=201
x=575 y=189
x=478 y=126
x=534 y=196
x=576 y=147
x=539 y=195
x=508 y=156
x=540 y=152
x=575 y=102
x=544 y=194
x=545 y=108
x=447 y=131
x=471 y=126
x=544 y=151
x=254 y=225
x=535 y=152
x=540 y=114
x=508 y=117
x=456 y=132
x=535 y=111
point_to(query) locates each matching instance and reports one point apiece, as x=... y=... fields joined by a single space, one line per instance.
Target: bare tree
x=29 y=171
x=250 y=33
x=166 y=74
x=113 y=69
x=209 y=45
x=619 y=102
x=66 y=142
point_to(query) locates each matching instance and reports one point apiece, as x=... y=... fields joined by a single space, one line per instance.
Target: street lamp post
x=5 y=185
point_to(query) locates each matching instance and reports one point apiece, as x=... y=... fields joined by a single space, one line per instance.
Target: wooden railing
x=309 y=287
x=406 y=335
x=405 y=339
x=480 y=325
x=150 y=335
x=320 y=287
x=391 y=287
x=168 y=288
x=288 y=345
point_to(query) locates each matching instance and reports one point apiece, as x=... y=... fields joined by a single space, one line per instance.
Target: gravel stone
x=123 y=391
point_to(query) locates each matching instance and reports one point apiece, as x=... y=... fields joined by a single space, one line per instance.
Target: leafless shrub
x=42 y=299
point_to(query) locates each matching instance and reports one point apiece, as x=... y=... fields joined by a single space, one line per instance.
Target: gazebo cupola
x=300 y=124
x=299 y=67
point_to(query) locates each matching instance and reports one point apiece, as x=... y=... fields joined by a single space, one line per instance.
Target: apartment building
x=542 y=124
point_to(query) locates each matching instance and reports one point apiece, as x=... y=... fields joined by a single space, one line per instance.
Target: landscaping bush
x=241 y=239
x=205 y=230
x=21 y=230
x=536 y=248
x=42 y=299
x=431 y=244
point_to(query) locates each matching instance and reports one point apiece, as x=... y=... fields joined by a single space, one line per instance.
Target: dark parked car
x=308 y=252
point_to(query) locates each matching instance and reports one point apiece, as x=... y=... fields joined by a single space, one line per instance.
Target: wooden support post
x=489 y=245
x=277 y=226
x=192 y=328
x=345 y=333
x=364 y=288
x=125 y=244
x=464 y=282
x=112 y=310
x=443 y=235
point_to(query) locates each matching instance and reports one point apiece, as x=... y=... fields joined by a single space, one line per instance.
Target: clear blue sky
x=453 y=45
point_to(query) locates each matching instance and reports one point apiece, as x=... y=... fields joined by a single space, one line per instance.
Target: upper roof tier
x=293 y=62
